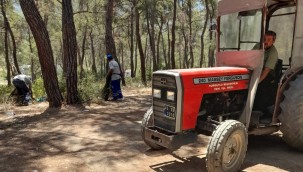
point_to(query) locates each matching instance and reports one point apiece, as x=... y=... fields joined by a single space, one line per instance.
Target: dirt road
x=106 y=137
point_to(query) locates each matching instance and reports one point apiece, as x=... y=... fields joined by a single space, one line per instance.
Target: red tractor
x=219 y=101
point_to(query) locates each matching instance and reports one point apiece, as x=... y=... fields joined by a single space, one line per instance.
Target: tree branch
x=59 y=2
x=86 y=11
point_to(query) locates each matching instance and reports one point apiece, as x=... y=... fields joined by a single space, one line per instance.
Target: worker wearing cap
x=115 y=74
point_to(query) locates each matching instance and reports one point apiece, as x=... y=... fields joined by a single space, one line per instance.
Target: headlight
x=157 y=93
x=170 y=95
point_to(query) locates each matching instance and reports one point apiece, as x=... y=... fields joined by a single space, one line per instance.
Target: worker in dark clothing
x=23 y=84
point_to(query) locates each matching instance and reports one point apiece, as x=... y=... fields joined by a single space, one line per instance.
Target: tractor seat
x=278 y=70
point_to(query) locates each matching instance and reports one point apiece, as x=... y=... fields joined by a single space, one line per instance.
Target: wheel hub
x=231 y=151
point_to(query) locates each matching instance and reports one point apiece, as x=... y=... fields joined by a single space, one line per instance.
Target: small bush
x=89 y=88
x=135 y=82
x=5 y=91
x=38 y=88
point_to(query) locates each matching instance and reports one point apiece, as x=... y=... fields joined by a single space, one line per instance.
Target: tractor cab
x=241 y=31
x=219 y=101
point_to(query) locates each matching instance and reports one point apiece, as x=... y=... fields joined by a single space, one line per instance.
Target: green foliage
x=89 y=88
x=89 y=19
x=5 y=92
x=38 y=88
x=135 y=82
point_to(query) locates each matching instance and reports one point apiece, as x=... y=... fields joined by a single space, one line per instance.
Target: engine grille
x=161 y=119
x=163 y=81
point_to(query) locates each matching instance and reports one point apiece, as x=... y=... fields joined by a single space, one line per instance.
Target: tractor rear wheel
x=227 y=147
x=146 y=122
x=291 y=115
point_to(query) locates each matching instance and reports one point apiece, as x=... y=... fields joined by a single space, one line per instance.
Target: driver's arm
x=264 y=74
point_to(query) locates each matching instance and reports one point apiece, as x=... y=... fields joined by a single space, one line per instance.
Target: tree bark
x=83 y=52
x=31 y=56
x=203 y=33
x=132 y=70
x=142 y=57
x=70 y=52
x=45 y=52
x=136 y=58
x=109 y=39
x=8 y=70
x=158 y=40
x=185 y=60
x=150 y=18
x=8 y=28
x=94 y=67
x=173 y=36
x=211 y=49
x=164 y=52
x=191 y=53
x=169 y=47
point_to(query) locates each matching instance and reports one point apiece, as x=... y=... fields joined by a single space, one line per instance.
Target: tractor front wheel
x=146 y=122
x=227 y=147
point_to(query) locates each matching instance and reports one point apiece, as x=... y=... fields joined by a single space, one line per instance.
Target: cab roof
x=232 y=6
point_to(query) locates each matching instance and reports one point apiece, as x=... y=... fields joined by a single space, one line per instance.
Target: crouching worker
x=23 y=84
x=115 y=74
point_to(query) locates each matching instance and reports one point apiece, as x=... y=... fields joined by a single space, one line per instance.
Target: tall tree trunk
x=109 y=39
x=211 y=49
x=164 y=52
x=70 y=52
x=158 y=40
x=169 y=47
x=94 y=67
x=8 y=28
x=138 y=36
x=132 y=71
x=203 y=33
x=122 y=56
x=191 y=53
x=185 y=59
x=8 y=69
x=180 y=52
x=150 y=8
x=45 y=52
x=136 y=58
x=31 y=56
x=83 y=53
x=173 y=36
x=101 y=58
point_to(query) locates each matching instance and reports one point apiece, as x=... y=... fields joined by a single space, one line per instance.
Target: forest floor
x=106 y=137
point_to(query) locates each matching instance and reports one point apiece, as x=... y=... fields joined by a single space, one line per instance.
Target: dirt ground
x=106 y=137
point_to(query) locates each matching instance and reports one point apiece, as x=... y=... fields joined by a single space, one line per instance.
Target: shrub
x=5 y=92
x=89 y=88
x=38 y=88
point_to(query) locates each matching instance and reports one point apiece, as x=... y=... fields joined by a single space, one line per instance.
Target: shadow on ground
x=73 y=132
x=106 y=137
x=271 y=150
x=190 y=164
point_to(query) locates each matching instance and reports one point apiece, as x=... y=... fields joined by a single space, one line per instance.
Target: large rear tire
x=146 y=122
x=291 y=115
x=227 y=147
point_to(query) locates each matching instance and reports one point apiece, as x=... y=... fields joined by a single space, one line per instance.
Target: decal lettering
x=220 y=79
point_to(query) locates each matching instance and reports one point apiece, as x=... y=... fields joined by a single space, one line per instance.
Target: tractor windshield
x=240 y=31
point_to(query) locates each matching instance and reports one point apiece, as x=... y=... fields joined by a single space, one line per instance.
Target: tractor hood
x=214 y=71
x=199 y=76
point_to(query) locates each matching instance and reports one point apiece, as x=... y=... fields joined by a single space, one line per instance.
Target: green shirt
x=271 y=59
